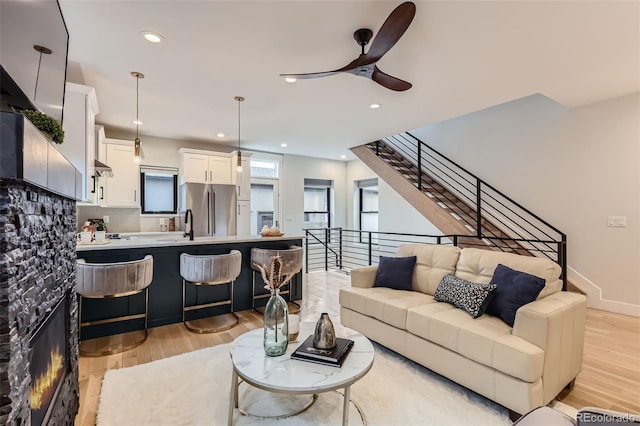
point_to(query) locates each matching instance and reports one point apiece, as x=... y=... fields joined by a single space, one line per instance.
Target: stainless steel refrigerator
x=213 y=208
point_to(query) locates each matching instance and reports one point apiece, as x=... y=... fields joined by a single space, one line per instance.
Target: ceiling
x=461 y=56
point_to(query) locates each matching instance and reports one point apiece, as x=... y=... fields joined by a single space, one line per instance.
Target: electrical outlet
x=105 y=219
x=617 y=221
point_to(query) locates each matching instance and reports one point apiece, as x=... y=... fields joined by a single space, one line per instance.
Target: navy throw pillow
x=515 y=289
x=395 y=272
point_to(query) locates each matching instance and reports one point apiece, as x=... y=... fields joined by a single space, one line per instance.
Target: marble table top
x=283 y=374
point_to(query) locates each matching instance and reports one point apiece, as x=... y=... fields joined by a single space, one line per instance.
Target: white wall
x=574 y=168
x=296 y=169
x=395 y=214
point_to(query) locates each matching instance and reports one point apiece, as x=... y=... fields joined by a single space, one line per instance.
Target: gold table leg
x=233 y=398
x=345 y=406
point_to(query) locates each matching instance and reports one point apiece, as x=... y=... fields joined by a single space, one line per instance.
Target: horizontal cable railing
x=345 y=249
x=486 y=212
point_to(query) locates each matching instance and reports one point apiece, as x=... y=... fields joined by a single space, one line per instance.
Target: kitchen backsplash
x=124 y=220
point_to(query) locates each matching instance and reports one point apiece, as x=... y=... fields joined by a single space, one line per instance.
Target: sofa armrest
x=556 y=324
x=364 y=277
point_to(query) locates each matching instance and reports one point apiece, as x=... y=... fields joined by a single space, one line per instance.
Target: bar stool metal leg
x=114 y=345
x=210 y=324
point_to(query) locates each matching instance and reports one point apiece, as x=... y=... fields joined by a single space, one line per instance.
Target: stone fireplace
x=37 y=279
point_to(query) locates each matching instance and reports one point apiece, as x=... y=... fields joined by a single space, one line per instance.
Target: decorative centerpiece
x=271 y=232
x=276 y=312
x=324 y=336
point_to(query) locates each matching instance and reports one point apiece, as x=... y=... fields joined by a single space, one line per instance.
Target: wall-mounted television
x=32 y=78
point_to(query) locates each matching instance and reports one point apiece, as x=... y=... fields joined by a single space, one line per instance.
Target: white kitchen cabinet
x=123 y=189
x=199 y=166
x=220 y=169
x=195 y=168
x=79 y=147
x=242 y=179
x=244 y=218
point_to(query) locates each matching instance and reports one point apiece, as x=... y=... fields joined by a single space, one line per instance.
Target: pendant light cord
x=35 y=91
x=41 y=50
x=137 y=106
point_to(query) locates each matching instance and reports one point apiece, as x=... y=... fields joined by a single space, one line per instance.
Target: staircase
x=459 y=203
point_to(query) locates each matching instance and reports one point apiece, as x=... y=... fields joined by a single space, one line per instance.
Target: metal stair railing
x=497 y=216
x=355 y=248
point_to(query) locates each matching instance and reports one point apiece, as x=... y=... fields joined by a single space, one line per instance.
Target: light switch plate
x=105 y=219
x=617 y=221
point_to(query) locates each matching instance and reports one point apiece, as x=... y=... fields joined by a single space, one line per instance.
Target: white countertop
x=163 y=239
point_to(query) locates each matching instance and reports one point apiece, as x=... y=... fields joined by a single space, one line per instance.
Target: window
x=263 y=203
x=159 y=190
x=264 y=168
x=265 y=191
x=368 y=206
x=317 y=203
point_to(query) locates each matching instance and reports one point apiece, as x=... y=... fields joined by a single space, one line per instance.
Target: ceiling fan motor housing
x=363 y=36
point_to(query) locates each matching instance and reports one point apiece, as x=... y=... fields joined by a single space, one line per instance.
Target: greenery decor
x=45 y=123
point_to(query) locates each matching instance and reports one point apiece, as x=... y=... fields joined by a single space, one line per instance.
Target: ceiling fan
x=365 y=64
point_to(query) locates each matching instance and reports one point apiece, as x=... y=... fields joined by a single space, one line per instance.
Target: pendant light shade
x=137 y=147
x=239 y=163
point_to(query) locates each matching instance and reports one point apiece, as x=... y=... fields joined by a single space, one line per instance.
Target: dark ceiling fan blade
x=311 y=74
x=391 y=31
x=389 y=81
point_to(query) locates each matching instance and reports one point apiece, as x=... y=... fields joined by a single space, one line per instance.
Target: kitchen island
x=165 y=291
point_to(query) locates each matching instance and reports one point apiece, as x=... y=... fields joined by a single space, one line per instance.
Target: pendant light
x=137 y=148
x=239 y=163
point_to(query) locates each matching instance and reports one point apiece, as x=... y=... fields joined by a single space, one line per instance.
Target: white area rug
x=193 y=389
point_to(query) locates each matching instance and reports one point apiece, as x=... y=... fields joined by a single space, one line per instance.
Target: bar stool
x=210 y=270
x=291 y=265
x=112 y=280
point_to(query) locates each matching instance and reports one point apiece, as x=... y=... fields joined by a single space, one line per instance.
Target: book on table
x=334 y=357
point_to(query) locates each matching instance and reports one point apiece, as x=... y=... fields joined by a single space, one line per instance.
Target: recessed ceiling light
x=343 y=156
x=152 y=37
x=138 y=122
x=284 y=145
x=220 y=135
x=290 y=79
x=374 y=106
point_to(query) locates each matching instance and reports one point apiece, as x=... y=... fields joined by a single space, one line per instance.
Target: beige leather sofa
x=520 y=368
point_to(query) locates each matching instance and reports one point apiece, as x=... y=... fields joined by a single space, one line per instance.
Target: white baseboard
x=594 y=296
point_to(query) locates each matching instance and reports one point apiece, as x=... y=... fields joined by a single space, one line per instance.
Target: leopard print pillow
x=472 y=297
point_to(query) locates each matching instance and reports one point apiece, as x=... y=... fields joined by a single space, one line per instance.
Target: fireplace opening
x=48 y=362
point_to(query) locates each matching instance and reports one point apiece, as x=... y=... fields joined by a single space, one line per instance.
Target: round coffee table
x=290 y=376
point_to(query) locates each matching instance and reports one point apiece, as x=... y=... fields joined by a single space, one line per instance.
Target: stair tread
x=448 y=200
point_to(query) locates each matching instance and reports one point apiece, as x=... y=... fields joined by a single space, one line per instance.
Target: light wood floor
x=610 y=375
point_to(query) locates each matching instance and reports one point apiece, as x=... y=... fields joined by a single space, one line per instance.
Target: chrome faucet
x=186 y=221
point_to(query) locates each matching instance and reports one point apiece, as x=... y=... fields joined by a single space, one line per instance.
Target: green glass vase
x=276 y=325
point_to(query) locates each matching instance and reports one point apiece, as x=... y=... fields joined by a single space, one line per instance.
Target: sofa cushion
x=514 y=290
x=487 y=340
x=463 y=294
x=384 y=304
x=478 y=266
x=432 y=263
x=395 y=272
